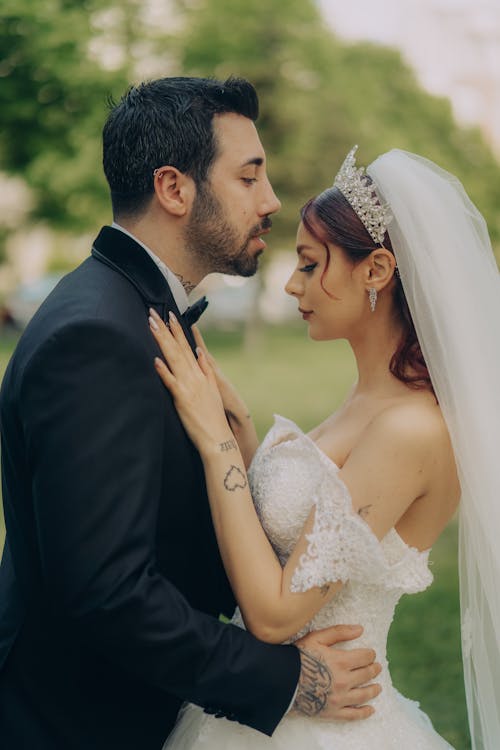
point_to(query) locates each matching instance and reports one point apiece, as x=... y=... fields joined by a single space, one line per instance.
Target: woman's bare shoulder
x=417 y=419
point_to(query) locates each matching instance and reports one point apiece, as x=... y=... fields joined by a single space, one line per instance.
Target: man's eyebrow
x=257 y=160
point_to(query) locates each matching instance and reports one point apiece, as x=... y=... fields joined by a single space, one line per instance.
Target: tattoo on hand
x=364 y=511
x=228 y=445
x=188 y=285
x=315 y=684
x=235 y=479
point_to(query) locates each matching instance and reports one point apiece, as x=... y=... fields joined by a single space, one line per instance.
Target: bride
x=334 y=526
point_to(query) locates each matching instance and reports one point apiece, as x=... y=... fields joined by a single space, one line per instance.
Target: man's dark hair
x=166 y=121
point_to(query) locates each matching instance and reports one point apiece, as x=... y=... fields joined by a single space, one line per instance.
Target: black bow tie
x=193 y=312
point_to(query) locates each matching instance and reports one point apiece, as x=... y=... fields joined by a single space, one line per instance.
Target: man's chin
x=247 y=266
x=247 y=271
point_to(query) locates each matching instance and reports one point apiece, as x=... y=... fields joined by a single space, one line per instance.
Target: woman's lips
x=305 y=313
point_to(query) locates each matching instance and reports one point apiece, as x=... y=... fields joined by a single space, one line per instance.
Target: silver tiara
x=356 y=186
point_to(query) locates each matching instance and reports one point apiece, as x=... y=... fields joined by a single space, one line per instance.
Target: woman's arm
x=237 y=413
x=389 y=466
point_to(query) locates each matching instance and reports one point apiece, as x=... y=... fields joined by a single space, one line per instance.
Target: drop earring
x=372 y=297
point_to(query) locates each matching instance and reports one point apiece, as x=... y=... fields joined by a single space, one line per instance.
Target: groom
x=111 y=582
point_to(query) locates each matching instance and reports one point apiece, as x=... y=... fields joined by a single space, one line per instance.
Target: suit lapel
x=120 y=252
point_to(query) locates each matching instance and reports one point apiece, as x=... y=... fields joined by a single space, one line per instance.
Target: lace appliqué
x=289 y=473
x=342 y=547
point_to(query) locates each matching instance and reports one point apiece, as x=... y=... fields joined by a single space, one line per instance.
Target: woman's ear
x=174 y=190
x=379 y=269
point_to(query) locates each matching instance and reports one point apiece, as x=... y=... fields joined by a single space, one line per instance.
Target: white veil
x=451 y=283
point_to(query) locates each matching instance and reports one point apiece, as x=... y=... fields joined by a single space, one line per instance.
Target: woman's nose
x=292 y=286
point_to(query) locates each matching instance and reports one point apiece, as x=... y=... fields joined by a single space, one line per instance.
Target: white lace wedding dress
x=289 y=473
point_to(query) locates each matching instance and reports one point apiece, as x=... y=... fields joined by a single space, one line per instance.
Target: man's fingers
x=337 y=633
x=359 y=657
x=353 y=713
x=363 y=675
x=359 y=696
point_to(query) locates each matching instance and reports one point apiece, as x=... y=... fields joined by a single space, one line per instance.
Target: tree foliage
x=52 y=98
x=318 y=96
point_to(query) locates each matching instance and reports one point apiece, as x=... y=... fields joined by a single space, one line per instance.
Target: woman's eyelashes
x=309 y=268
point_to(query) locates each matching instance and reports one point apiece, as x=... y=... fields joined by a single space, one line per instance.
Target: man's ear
x=379 y=268
x=174 y=190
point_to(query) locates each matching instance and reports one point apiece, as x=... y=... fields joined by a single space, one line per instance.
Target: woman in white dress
x=336 y=525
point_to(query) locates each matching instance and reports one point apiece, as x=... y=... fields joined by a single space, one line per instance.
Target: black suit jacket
x=111 y=582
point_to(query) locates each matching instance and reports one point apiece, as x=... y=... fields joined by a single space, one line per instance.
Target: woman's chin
x=316 y=335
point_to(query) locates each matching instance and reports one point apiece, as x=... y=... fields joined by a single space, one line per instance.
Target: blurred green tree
x=53 y=95
x=60 y=60
x=320 y=95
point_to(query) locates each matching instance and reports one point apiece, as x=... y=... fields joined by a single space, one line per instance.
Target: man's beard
x=214 y=243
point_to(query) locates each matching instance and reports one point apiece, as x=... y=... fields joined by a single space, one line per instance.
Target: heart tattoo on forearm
x=235 y=479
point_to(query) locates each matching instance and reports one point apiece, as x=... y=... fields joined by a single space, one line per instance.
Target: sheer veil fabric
x=451 y=283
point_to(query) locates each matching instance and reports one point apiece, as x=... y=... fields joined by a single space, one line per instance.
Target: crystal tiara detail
x=357 y=187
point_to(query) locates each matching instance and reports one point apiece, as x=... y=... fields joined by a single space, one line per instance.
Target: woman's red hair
x=330 y=219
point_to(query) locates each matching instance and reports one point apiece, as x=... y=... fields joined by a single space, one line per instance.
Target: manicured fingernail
x=153 y=323
x=172 y=317
x=158 y=362
x=153 y=312
x=199 y=351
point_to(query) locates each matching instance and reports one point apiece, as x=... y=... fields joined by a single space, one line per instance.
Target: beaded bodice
x=288 y=475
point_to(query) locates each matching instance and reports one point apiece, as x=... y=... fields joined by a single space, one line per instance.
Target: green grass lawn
x=285 y=373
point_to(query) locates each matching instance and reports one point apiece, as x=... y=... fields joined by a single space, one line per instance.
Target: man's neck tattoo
x=188 y=285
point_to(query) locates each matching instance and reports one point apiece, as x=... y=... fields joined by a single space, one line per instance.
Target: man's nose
x=271 y=203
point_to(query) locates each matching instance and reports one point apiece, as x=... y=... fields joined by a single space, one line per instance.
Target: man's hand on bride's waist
x=335 y=684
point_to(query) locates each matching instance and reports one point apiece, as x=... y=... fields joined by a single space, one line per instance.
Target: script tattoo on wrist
x=235 y=479
x=315 y=684
x=228 y=445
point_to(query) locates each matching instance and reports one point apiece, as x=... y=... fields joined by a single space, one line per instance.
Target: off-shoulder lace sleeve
x=342 y=547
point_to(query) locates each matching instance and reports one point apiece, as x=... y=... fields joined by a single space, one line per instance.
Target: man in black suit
x=111 y=582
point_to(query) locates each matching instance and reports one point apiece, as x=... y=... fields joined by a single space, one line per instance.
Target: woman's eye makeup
x=308 y=268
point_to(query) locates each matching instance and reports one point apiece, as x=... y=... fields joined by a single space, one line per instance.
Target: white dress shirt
x=178 y=291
